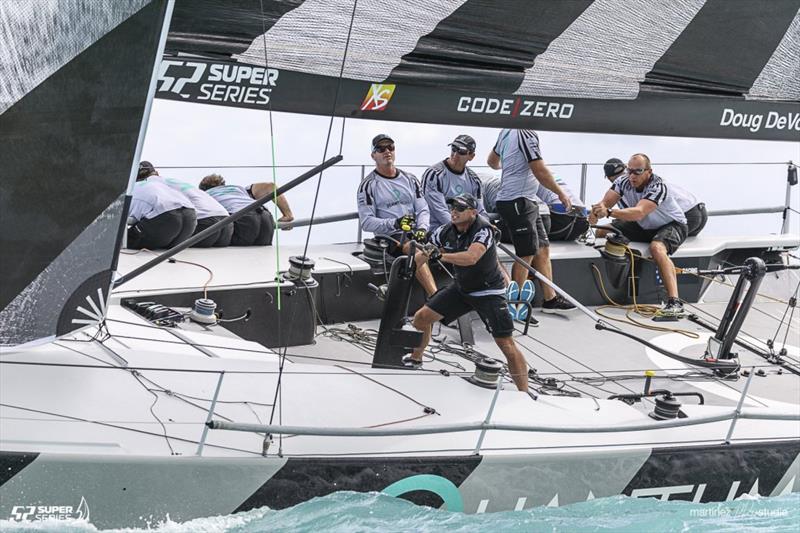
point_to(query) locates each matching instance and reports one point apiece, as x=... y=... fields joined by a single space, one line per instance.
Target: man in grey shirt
x=518 y=153
x=694 y=209
x=449 y=178
x=391 y=206
x=648 y=213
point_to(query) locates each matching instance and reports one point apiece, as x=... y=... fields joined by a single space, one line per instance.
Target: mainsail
x=71 y=109
x=695 y=68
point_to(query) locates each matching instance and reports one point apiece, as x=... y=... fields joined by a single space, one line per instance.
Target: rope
x=646 y=311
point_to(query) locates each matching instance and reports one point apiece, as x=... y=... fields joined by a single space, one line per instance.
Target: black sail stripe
x=221 y=27
x=724 y=48
x=486 y=45
x=12 y=463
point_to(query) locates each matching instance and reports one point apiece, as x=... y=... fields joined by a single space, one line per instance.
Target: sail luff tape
x=204 y=311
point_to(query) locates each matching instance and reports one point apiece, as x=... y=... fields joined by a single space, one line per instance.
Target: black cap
x=380 y=137
x=464 y=200
x=146 y=169
x=464 y=141
x=613 y=167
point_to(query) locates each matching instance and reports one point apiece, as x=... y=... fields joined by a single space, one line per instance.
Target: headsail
x=71 y=109
x=696 y=68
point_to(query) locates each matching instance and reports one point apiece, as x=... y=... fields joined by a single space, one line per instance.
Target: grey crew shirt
x=382 y=200
x=550 y=198
x=657 y=191
x=491 y=185
x=203 y=203
x=440 y=183
x=516 y=149
x=153 y=198
x=232 y=197
x=686 y=200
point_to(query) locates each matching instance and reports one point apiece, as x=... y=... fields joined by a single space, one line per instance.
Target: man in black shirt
x=468 y=243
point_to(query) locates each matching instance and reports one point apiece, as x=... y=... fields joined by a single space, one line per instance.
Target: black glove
x=433 y=253
x=421 y=236
x=404 y=223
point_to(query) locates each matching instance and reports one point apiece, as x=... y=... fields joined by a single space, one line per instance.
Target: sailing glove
x=404 y=223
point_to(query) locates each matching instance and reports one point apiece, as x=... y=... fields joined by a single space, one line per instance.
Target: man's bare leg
x=423 y=321
x=666 y=267
x=520 y=273
x=541 y=262
x=516 y=362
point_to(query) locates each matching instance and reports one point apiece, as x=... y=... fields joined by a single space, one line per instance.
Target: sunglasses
x=381 y=149
x=460 y=151
x=637 y=171
x=458 y=207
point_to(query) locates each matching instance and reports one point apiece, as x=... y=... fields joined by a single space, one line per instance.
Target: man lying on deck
x=209 y=211
x=257 y=227
x=158 y=217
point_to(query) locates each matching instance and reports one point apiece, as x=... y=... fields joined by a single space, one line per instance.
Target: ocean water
x=349 y=512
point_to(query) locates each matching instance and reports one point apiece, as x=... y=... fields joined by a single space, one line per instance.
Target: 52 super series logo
x=23 y=513
x=216 y=82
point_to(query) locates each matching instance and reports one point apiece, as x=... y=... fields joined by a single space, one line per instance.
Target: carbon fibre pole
x=588 y=312
x=224 y=222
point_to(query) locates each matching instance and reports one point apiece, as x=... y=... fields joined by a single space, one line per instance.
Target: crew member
x=467 y=243
x=562 y=224
x=449 y=178
x=391 y=205
x=694 y=209
x=159 y=217
x=518 y=153
x=208 y=210
x=649 y=213
x=257 y=227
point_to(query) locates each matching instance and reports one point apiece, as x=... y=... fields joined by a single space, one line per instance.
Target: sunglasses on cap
x=637 y=171
x=383 y=148
x=459 y=150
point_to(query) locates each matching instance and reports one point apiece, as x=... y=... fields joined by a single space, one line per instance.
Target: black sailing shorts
x=521 y=217
x=672 y=234
x=451 y=303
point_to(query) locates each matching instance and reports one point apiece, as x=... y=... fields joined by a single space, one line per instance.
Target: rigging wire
x=278 y=389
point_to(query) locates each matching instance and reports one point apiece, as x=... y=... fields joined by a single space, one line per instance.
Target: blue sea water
x=373 y=512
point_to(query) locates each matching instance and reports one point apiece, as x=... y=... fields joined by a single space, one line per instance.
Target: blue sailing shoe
x=512 y=293
x=527 y=292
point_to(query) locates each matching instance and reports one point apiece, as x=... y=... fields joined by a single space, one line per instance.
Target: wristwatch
x=610 y=209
